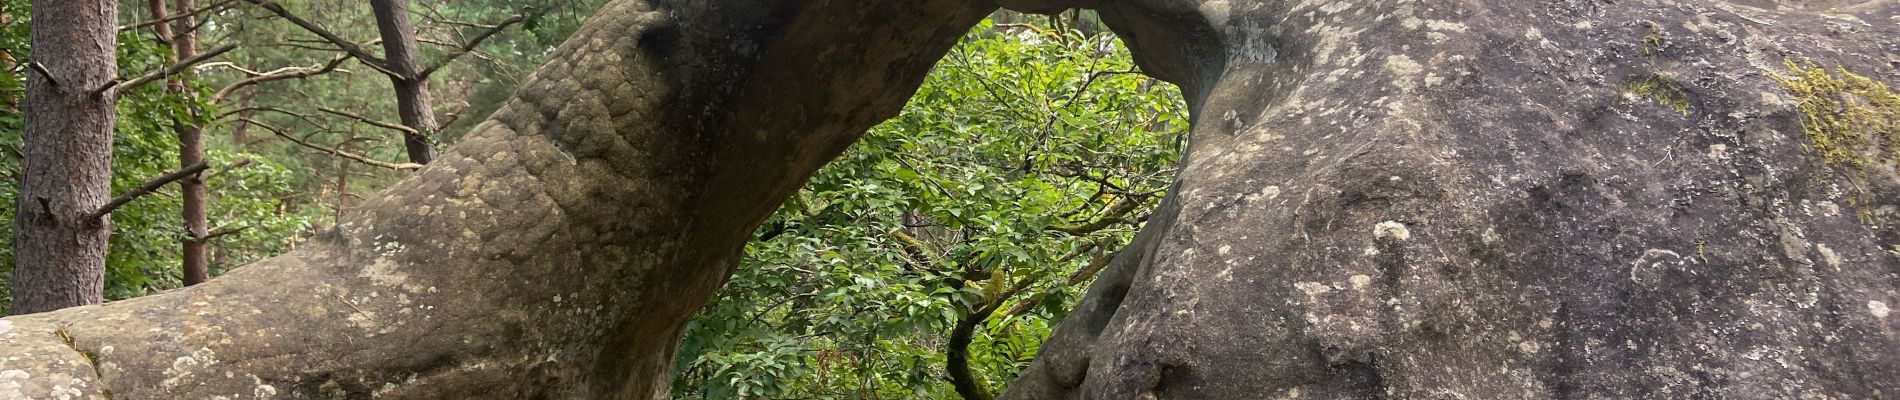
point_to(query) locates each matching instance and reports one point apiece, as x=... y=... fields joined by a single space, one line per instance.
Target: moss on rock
x=1659 y=88
x=1851 y=121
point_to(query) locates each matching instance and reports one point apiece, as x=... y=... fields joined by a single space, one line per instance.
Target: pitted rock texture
x=1483 y=199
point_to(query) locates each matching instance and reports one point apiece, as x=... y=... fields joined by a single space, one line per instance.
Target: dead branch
x=334 y=151
x=144 y=189
x=367 y=120
x=142 y=25
x=470 y=45
x=280 y=74
x=167 y=71
x=345 y=44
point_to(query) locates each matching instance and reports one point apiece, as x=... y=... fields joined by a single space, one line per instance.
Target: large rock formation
x=1503 y=199
x=1476 y=199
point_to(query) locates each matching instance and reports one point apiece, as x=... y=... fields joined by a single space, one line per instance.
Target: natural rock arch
x=1480 y=199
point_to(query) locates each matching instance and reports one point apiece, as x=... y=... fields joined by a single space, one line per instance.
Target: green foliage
x=851 y=288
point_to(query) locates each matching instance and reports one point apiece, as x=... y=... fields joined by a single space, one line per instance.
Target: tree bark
x=190 y=152
x=957 y=355
x=59 y=255
x=181 y=35
x=412 y=88
x=1478 y=199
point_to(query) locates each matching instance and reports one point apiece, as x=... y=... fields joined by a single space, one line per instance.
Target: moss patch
x=1659 y=88
x=1654 y=40
x=1851 y=121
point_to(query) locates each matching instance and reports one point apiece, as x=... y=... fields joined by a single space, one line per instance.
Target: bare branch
x=367 y=120
x=167 y=71
x=144 y=189
x=470 y=46
x=334 y=151
x=278 y=75
x=221 y=231
x=345 y=44
x=41 y=68
x=300 y=117
x=1114 y=215
x=141 y=25
x=227 y=167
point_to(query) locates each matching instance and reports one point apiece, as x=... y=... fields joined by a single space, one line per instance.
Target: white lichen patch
x=1431 y=24
x=384 y=272
x=184 y=367
x=1828 y=256
x=1718 y=151
x=1267 y=193
x=1878 y=309
x=1312 y=288
x=1391 y=229
x=1360 y=282
x=1405 y=72
x=10 y=383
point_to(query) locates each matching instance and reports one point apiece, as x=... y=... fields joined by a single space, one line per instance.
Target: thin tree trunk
x=342 y=183
x=242 y=126
x=190 y=152
x=6 y=63
x=182 y=37
x=59 y=253
x=412 y=89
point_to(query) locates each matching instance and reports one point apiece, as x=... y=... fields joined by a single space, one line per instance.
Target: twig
x=300 y=117
x=341 y=43
x=1112 y=216
x=469 y=46
x=221 y=231
x=227 y=167
x=193 y=13
x=359 y=311
x=145 y=189
x=41 y=68
x=366 y=120
x=333 y=151
x=279 y=74
x=167 y=71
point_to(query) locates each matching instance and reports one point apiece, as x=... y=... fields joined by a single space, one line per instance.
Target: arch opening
x=958 y=232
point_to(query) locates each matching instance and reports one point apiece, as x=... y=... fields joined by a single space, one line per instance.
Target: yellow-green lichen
x=1851 y=121
x=1654 y=40
x=1659 y=88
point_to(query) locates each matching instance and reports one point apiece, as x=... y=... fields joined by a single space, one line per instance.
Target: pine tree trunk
x=59 y=252
x=190 y=152
x=412 y=89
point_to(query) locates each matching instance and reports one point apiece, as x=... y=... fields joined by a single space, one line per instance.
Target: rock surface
x=1473 y=199
x=1500 y=199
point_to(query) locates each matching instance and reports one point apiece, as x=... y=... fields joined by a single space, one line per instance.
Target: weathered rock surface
x=1499 y=199
x=1474 y=199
